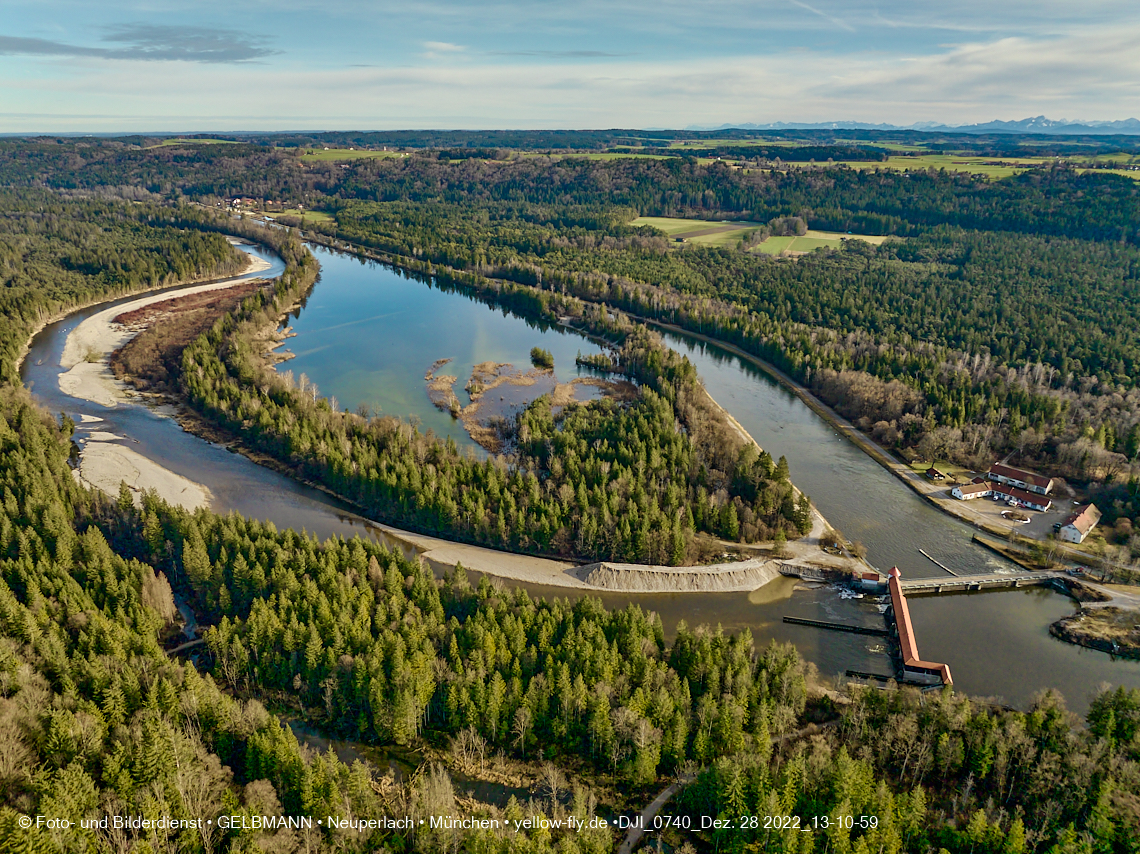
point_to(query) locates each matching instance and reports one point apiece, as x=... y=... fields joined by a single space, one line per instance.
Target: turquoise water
x=369 y=333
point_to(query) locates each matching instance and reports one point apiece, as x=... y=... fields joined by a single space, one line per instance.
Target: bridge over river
x=978 y=581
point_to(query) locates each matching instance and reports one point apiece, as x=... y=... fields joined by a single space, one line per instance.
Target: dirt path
x=650 y=812
x=633 y=837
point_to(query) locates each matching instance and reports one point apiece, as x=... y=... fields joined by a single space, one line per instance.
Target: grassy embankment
x=1112 y=630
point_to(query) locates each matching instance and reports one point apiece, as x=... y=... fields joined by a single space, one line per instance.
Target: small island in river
x=1109 y=629
x=499 y=389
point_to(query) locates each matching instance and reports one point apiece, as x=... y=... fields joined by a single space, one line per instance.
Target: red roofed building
x=871 y=581
x=1019 y=496
x=1078 y=526
x=1020 y=478
x=914 y=667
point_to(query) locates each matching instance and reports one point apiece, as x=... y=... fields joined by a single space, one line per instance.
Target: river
x=367 y=334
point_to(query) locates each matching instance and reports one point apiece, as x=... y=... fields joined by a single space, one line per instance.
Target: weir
x=913 y=668
x=964 y=583
x=837 y=627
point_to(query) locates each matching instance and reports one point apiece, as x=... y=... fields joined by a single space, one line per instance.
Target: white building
x=1021 y=479
x=968 y=491
x=1078 y=526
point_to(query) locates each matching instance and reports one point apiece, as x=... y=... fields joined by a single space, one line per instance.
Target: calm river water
x=367 y=334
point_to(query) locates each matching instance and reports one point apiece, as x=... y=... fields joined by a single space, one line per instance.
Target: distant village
x=1020 y=488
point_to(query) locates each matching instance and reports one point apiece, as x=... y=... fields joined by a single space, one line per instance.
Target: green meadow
x=727 y=234
x=345 y=154
x=711 y=233
x=308 y=216
x=991 y=167
x=811 y=241
x=182 y=141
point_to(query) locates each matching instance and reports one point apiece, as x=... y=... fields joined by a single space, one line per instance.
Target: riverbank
x=550 y=570
x=80 y=306
x=608 y=577
x=935 y=495
x=844 y=427
x=1108 y=629
x=104 y=462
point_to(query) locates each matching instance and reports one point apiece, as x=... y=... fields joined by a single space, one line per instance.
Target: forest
x=1001 y=321
x=98 y=719
x=602 y=481
x=57 y=254
x=605 y=706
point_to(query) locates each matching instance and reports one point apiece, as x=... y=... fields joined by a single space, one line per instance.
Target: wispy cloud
x=599 y=63
x=558 y=54
x=151 y=43
x=843 y=25
x=442 y=50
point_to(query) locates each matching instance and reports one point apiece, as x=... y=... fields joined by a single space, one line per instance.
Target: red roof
x=1020 y=474
x=1084 y=521
x=1036 y=499
x=908 y=645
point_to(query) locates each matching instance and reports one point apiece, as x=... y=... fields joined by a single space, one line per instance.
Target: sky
x=203 y=65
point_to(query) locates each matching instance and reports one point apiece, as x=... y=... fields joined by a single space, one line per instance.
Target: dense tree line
x=56 y=254
x=1012 y=297
x=1057 y=201
x=384 y=653
x=1016 y=365
x=603 y=480
x=955 y=343
x=372 y=645
x=98 y=720
x=944 y=773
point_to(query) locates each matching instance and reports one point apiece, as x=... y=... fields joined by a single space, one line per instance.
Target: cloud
x=843 y=25
x=151 y=42
x=1089 y=69
x=558 y=54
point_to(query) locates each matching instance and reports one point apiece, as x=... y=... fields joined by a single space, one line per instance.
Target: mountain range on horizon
x=1037 y=124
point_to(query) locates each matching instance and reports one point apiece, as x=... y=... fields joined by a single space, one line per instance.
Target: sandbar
x=104 y=465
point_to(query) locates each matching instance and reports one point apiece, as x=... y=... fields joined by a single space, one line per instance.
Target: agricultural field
x=709 y=232
x=726 y=235
x=308 y=216
x=605 y=155
x=312 y=154
x=1132 y=172
x=991 y=167
x=811 y=241
x=166 y=143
